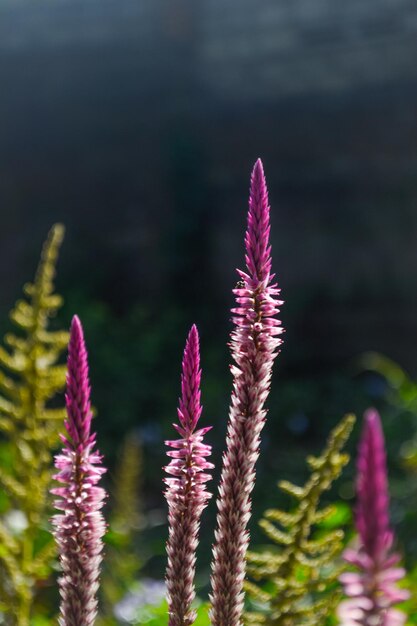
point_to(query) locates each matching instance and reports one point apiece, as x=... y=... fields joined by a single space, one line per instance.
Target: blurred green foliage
x=123 y=560
x=401 y=395
x=30 y=377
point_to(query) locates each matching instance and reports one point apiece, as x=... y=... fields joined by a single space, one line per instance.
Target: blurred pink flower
x=372 y=590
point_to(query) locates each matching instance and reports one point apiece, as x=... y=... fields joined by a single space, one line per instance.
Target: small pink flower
x=80 y=528
x=372 y=590
x=186 y=489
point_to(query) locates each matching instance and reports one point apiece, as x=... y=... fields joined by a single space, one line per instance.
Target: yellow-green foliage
x=30 y=377
x=296 y=583
x=127 y=510
x=122 y=562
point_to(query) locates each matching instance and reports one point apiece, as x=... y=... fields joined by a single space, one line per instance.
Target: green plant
x=296 y=584
x=30 y=377
x=123 y=563
x=401 y=394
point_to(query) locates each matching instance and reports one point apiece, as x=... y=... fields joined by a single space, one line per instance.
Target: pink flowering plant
x=79 y=529
x=372 y=589
x=186 y=492
x=254 y=344
x=298 y=583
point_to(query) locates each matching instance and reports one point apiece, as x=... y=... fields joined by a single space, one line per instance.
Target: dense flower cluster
x=254 y=346
x=186 y=493
x=372 y=590
x=80 y=528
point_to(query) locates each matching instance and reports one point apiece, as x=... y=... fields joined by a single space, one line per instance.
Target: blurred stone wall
x=262 y=50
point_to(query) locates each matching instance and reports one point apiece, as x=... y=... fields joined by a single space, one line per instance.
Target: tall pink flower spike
x=372 y=590
x=254 y=346
x=80 y=528
x=186 y=489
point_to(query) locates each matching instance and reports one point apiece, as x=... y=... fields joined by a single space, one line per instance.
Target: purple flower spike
x=254 y=346
x=80 y=528
x=372 y=590
x=186 y=493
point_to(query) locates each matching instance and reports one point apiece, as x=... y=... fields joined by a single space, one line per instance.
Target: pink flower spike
x=79 y=529
x=186 y=490
x=372 y=590
x=254 y=345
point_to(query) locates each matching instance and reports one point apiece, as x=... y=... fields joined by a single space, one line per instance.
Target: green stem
x=24 y=607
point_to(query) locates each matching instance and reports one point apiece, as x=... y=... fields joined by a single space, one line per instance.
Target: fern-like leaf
x=295 y=583
x=30 y=377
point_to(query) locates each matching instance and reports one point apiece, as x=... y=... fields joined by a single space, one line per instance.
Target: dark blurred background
x=137 y=122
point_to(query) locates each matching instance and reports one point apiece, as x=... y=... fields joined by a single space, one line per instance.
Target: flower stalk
x=80 y=527
x=186 y=489
x=254 y=347
x=372 y=589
